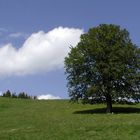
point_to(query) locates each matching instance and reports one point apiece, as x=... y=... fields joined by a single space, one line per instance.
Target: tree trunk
x=109 y=103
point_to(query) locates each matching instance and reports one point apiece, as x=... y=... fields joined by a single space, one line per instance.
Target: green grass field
x=61 y=120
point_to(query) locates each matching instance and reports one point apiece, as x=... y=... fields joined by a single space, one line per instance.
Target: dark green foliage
x=104 y=66
x=14 y=95
x=7 y=94
x=35 y=97
x=22 y=95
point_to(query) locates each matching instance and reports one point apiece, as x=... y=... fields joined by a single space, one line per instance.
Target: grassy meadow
x=22 y=119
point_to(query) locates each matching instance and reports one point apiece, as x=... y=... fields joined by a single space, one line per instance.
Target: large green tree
x=104 y=66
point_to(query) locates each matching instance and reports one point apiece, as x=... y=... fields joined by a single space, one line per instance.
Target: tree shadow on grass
x=116 y=110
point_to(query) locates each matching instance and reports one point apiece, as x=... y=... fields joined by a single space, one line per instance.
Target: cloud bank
x=41 y=52
x=47 y=97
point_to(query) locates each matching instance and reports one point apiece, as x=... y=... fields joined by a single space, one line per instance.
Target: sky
x=35 y=36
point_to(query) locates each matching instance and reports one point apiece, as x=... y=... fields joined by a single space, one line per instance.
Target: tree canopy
x=104 y=66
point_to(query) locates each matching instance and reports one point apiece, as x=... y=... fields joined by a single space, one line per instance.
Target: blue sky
x=21 y=18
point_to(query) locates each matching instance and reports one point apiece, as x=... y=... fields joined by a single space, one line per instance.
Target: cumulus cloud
x=47 y=97
x=41 y=52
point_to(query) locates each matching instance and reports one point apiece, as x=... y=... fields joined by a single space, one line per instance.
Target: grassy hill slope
x=61 y=120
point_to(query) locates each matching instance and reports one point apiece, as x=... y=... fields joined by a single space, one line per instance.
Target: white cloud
x=18 y=35
x=1 y=93
x=41 y=52
x=47 y=97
